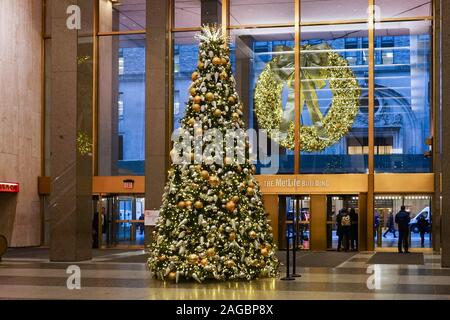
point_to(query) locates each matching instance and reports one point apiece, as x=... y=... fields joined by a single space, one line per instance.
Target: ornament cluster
x=212 y=222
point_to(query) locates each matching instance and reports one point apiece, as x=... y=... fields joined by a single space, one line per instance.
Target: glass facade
x=251 y=51
x=184 y=62
x=187 y=13
x=256 y=12
x=126 y=15
x=403 y=90
x=403 y=9
x=314 y=11
x=122 y=105
x=349 y=154
x=261 y=32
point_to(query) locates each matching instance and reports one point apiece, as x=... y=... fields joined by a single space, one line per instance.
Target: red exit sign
x=9 y=187
x=128 y=184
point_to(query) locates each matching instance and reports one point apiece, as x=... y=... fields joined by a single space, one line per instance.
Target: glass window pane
x=185 y=63
x=332 y=10
x=403 y=89
x=122 y=15
x=245 y=12
x=262 y=59
x=404 y=8
x=121 y=146
x=187 y=13
x=334 y=119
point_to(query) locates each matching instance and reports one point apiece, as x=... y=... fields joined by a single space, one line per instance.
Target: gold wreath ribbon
x=311 y=75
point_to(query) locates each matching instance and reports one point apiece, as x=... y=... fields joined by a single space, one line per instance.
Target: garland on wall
x=319 y=65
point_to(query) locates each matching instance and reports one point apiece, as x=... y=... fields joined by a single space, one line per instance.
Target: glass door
x=124 y=215
x=338 y=205
x=386 y=231
x=294 y=222
x=122 y=219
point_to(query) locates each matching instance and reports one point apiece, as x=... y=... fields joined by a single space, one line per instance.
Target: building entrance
x=121 y=220
x=294 y=222
x=337 y=236
x=386 y=230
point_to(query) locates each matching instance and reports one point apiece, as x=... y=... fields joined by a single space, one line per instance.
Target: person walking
x=354 y=229
x=391 y=226
x=402 y=219
x=376 y=225
x=422 y=225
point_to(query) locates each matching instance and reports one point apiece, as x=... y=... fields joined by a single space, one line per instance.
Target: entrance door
x=335 y=204
x=123 y=220
x=294 y=214
x=386 y=230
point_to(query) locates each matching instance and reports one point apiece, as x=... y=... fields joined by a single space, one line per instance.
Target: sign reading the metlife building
x=287 y=184
x=9 y=187
x=299 y=183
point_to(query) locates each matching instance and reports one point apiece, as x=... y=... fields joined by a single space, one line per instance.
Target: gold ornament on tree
x=172 y=276
x=210 y=252
x=216 y=61
x=198 y=205
x=230 y=263
x=197 y=99
x=231 y=206
x=193 y=259
x=209 y=96
x=214 y=181
x=205 y=174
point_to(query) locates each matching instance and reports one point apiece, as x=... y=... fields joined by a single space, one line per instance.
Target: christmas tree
x=212 y=222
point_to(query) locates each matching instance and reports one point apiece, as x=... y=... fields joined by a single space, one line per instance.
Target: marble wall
x=20 y=119
x=445 y=212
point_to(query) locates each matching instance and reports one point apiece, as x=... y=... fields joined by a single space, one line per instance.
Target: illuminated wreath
x=318 y=64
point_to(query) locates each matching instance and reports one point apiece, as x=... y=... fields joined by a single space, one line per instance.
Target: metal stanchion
x=288 y=276
x=294 y=263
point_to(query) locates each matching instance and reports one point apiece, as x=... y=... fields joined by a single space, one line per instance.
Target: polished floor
x=121 y=274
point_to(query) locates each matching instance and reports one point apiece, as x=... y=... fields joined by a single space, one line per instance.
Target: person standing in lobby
x=354 y=230
x=402 y=219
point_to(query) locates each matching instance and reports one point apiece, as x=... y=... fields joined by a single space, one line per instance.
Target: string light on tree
x=212 y=222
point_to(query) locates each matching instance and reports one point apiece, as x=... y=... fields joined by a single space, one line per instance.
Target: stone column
x=445 y=165
x=70 y=116
x=157 y=106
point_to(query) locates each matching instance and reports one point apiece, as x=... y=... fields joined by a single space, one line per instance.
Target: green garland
x=338 y=120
